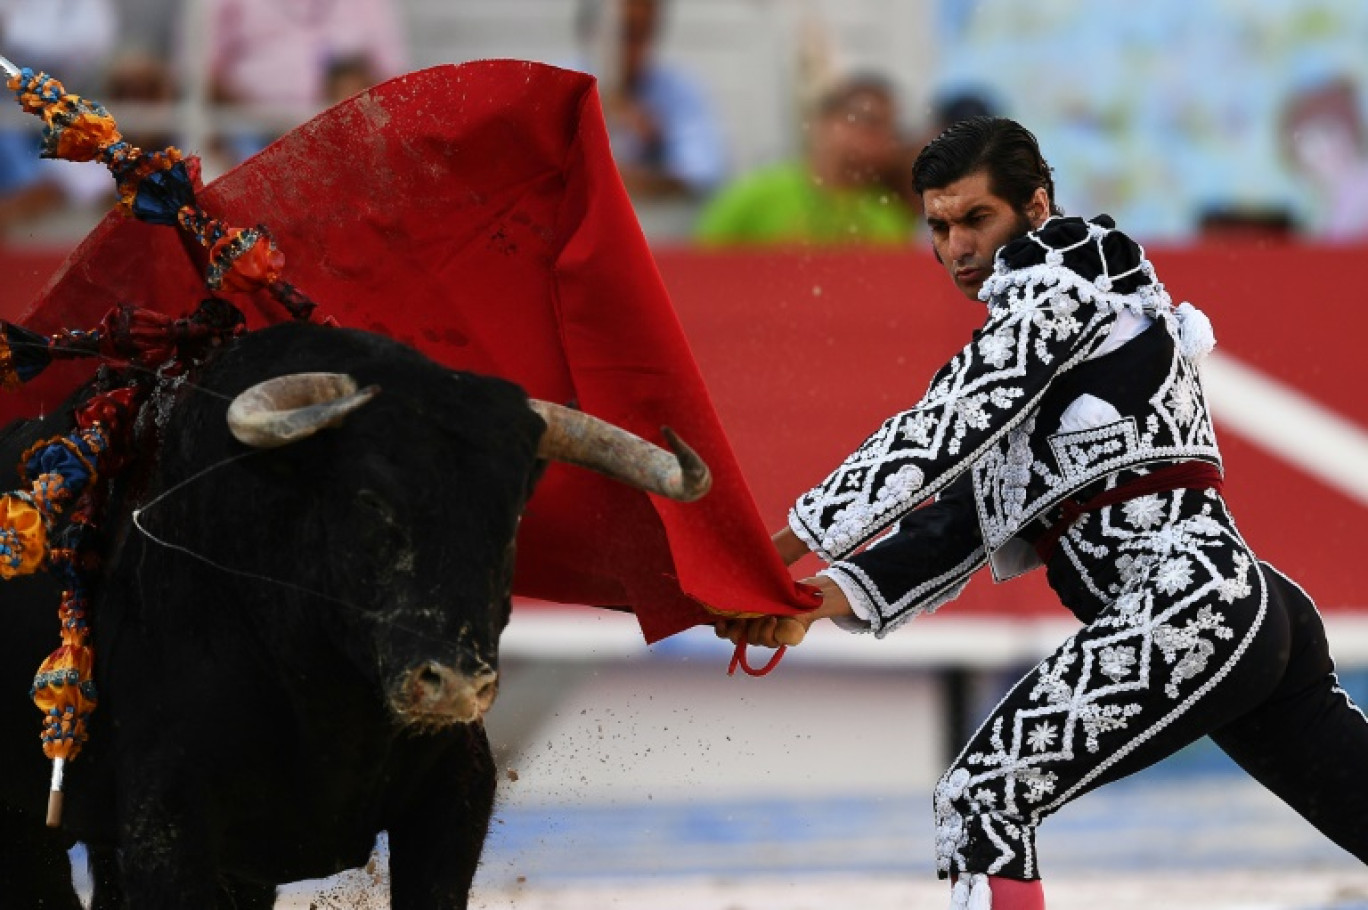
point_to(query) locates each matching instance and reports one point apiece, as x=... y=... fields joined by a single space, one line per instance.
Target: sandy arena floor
x=1216 y=891
x=667 y=785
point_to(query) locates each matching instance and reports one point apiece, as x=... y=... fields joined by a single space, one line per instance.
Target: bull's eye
x=381 y=531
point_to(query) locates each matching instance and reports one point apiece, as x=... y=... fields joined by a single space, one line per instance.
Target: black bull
x=294 y=644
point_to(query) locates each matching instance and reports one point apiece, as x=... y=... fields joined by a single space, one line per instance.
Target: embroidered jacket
x=1083 y=368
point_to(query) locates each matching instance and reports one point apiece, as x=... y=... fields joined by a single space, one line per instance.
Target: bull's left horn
x=577 y=438
x=290 y=408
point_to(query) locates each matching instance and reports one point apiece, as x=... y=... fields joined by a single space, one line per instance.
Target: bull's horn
x=577 y=438
x=289 y=408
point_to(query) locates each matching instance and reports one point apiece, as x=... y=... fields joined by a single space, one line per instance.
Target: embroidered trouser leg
x=1307 y=742
x=1180 y=647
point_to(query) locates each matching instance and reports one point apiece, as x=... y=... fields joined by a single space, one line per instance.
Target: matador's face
x=969 y=224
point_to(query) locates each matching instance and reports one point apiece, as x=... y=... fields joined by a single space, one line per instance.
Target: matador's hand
x=773 y=631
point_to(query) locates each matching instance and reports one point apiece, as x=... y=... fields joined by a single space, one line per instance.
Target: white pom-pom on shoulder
x=1196 y=338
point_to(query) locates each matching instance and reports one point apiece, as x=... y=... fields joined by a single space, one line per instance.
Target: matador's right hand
x=773 y=631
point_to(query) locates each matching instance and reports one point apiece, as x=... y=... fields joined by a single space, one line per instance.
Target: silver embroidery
x=1187 y=648
x=1143 y=512
x=1236 y=586
x=1168 y=627
x=1116 y=663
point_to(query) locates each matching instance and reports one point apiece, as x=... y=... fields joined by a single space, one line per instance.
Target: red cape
x=475 y=213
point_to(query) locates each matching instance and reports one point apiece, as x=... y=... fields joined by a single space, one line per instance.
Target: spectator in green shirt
x=836 y=194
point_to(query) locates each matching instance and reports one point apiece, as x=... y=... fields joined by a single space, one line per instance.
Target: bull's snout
x=435 y=694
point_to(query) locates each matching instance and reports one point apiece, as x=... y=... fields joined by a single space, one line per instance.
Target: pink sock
x=1012 y=894
x=978 y=891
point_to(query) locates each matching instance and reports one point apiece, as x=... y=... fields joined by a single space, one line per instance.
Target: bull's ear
x=577 y=438
x=293 y=407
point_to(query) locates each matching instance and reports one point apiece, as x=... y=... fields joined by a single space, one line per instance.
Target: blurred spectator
x=348 y=76
x=28 y=190
x=140 y=90
x=666 y=140
x=836 y=194
x=71 y=41
x=142 y=70
x=1246 y=223
x=278 y=51
x=149 y=30
x=276 y=54
x=1323 y=139
x=962 y=104
x=949 y=107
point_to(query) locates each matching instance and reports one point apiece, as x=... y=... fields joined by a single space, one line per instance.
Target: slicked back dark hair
x=1003 y=149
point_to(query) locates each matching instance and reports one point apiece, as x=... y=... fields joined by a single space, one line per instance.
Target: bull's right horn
x=577 y=438
x=289 y=408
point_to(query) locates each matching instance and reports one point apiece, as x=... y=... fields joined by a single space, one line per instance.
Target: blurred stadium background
x=647 y=768
x=1159 y=113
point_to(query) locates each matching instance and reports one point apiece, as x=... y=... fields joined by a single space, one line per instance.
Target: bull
x=297 y=636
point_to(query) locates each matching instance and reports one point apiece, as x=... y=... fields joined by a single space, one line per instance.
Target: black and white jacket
x=1083 y=368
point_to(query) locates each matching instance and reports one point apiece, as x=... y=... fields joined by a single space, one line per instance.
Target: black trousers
x=1186 y=634
x=1307 y=741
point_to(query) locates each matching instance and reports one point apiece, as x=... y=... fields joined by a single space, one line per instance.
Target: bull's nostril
x=486 y=689
x=429 y=681
x=434 y=691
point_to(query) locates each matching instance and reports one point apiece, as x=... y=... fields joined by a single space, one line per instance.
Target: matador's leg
x=1308 y=742
x=1184 y=645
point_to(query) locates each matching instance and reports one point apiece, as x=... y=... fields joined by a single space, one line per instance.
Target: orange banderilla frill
x=64 y=690
x=68 y=474
x=156 y=187
x=61 y=471
x=23 y=535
